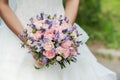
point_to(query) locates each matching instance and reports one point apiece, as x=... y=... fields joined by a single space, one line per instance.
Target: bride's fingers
x=34 y=55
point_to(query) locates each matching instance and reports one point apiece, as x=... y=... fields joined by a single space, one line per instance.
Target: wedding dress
x=17 y=64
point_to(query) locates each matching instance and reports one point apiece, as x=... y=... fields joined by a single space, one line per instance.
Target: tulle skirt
x=17 y=64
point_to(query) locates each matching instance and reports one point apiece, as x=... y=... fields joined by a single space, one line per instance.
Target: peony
x=49 y=54
x=48 y=45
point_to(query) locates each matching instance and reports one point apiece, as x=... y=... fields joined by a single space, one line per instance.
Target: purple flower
x=54 y=32
x=48 y=22
x=38 y=17
x=67 y=37
x=42 y=16
x=55 y=15
x=57 y=35
x=45 y=39
x=65 y=18
x=30 y=51
x=31 y=19
x=54 y=50
x=32 y=26
x=64 y=31
x=60 y=22
x=42 y=30
x=55 y=62
x=31 y=38
x=50 y=25
x=78 y=53
x=45 y=60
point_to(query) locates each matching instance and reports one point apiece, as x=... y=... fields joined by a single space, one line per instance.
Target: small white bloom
x=58 y=58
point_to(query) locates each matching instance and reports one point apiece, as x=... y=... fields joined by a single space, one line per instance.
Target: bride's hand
x=39 y=63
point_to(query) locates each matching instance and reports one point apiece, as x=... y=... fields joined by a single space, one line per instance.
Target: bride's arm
x=10 y=18
x=71 y=9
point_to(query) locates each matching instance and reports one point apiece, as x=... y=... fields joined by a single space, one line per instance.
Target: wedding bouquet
x=52 y=40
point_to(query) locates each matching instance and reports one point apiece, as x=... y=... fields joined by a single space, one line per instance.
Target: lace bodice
x=30 y=8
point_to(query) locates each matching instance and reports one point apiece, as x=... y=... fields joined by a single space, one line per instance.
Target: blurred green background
x=101 y=20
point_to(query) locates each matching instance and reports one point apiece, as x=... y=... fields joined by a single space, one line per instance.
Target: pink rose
x=37 y=35
x=66 y=44
x=48 y=45
x=66 y=53
x=49 y=54
x=49 y=34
